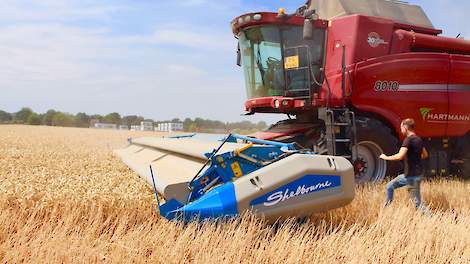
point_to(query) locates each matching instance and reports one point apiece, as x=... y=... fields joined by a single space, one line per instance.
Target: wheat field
x=66 y=199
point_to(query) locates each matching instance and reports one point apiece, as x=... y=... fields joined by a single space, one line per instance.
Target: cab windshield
x=278 y=62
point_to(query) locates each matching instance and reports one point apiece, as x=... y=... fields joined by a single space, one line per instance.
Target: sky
x=156 y=58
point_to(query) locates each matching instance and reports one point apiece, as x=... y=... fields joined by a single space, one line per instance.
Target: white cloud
x=51 y=52
x=193 y=2
x=449 y=15
x=67 y=68
x=184 y=70
x=57 y=10
x=48 y=60
x=194 y=39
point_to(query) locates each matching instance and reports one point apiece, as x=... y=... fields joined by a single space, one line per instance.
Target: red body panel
x=422 y=80
x=459 y=98
x=394 y=71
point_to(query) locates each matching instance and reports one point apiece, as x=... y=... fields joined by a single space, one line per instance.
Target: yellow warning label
x=221 y=161
x=237 y=171
x=291 y=62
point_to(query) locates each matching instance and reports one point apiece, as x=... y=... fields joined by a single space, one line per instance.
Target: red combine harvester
x=346 y=72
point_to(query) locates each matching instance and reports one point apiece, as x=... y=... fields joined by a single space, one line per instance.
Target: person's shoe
x=425 y=211
x=387 y=203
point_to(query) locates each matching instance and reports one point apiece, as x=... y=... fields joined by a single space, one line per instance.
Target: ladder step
x=341 y=124
x=342 y=140
x=338 y=124
x=336 y=121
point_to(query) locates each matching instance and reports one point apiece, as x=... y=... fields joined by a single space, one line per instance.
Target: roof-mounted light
x=247 y=19
x=281 y=11
x=257 y=17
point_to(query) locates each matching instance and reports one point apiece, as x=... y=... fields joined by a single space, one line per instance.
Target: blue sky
x=160 y=59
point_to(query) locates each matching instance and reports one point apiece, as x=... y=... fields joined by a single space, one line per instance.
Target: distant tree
x=34 y=119
x=199 y=122
x=63 y=119
x=261 y=125
x=113 y=118
x=47 y=117
x=82 y=120
x=58 y=119
x=132 y=120
x=97 y=117
x=219 y=124
x=22 y=115
x=128 y=120
x=192 y=127
x=5 y=117
x=187 y=123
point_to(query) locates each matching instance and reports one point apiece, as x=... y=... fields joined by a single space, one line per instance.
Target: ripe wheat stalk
x=65 y=198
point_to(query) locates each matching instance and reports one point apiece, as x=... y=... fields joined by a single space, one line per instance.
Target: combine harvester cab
x=274 y=180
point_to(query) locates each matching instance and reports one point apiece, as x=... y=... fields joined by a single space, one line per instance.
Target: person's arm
x=399 y=156
x=424 y=153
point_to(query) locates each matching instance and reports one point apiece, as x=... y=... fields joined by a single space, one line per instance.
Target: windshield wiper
x=260 y=65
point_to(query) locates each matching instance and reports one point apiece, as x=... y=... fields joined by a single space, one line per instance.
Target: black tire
x=373 y=139
x=465 y=157
x=466 y=168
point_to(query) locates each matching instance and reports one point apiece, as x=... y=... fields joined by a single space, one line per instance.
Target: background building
x=169 y=126
x=146 y=126
x=105 y=126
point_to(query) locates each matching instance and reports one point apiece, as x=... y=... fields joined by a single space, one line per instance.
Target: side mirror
x=239 y=56
x=308 y=29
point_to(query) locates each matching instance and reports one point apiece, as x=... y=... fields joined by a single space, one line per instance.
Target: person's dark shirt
x=413 y=161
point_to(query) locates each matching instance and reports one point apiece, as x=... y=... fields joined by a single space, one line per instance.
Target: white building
x=169 y=127
x=124 y=127
x=104 y=126
x=135 y=128
x=146 y=126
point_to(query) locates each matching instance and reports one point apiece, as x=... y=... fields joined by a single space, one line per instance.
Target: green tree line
x=56 y=118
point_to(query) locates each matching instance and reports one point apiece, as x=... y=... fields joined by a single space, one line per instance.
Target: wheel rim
x=368 y=166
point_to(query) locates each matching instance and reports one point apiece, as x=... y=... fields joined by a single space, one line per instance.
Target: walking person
x=412 y=152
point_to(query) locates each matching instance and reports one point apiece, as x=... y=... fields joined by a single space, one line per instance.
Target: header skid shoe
x=273 y=179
